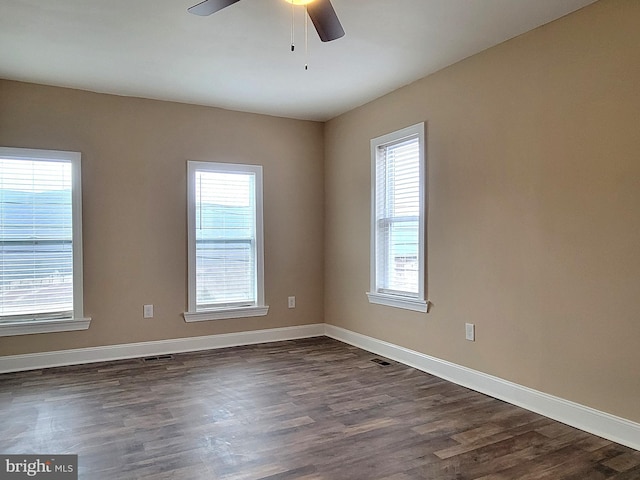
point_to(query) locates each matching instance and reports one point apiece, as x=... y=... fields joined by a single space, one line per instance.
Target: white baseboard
x=32 y=361
x=599 y=423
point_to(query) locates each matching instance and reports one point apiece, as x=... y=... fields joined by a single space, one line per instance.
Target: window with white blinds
x=40 y=236
x=398 y=219
x=225 y=239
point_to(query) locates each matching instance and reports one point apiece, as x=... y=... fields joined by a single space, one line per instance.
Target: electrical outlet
x=470 y=332
x=147 y=311
x=292 y=302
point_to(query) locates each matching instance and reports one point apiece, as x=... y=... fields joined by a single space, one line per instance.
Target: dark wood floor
x=303 y=409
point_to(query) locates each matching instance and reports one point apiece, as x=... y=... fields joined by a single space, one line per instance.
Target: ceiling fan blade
x=210 y=6
x=325 y=20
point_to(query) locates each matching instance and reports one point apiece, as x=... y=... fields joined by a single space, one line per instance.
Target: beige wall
x=534 y=210
x=134 y=155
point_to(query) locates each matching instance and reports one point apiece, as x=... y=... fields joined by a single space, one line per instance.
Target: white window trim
x=224 y=313
x=44 y=326
x=236 y=311
x=375 y=295
x=399 y=302
x=78 y=321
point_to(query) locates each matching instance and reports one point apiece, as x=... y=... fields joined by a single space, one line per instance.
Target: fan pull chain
x=306 y=38
x=293 y=23
x=306 y=33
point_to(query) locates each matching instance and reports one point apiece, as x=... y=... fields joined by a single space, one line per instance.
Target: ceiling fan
x=320 y=12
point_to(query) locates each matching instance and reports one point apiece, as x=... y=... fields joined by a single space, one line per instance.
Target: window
x=225 y=241
x=40 y=242
x=398 y=209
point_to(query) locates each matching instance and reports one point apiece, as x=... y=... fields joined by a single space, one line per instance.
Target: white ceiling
x=239 y=58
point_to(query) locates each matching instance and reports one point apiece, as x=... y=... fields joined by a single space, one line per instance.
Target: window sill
x=399 y=302
x=43 y=326
x=224 y=313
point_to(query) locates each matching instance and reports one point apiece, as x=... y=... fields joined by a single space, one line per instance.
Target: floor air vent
x=379 y=361
x=157 y=358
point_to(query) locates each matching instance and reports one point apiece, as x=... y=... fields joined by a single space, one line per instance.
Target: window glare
x=224 y=188
x=34 y=175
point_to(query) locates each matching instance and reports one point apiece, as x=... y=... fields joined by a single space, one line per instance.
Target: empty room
x=320 y=240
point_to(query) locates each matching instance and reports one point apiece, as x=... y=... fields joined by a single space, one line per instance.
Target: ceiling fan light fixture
x=299 y=2
x=321 y=13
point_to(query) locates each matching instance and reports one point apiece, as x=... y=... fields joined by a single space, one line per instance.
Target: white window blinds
x=397 y=219
x=36 y=239
x=225 y=236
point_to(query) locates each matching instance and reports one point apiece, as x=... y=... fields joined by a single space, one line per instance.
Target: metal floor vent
x=157 y=357
x=379 y=361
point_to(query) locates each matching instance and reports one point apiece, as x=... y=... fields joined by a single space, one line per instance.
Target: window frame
x=18 y=325
x=377 y=294
x=253 y=309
